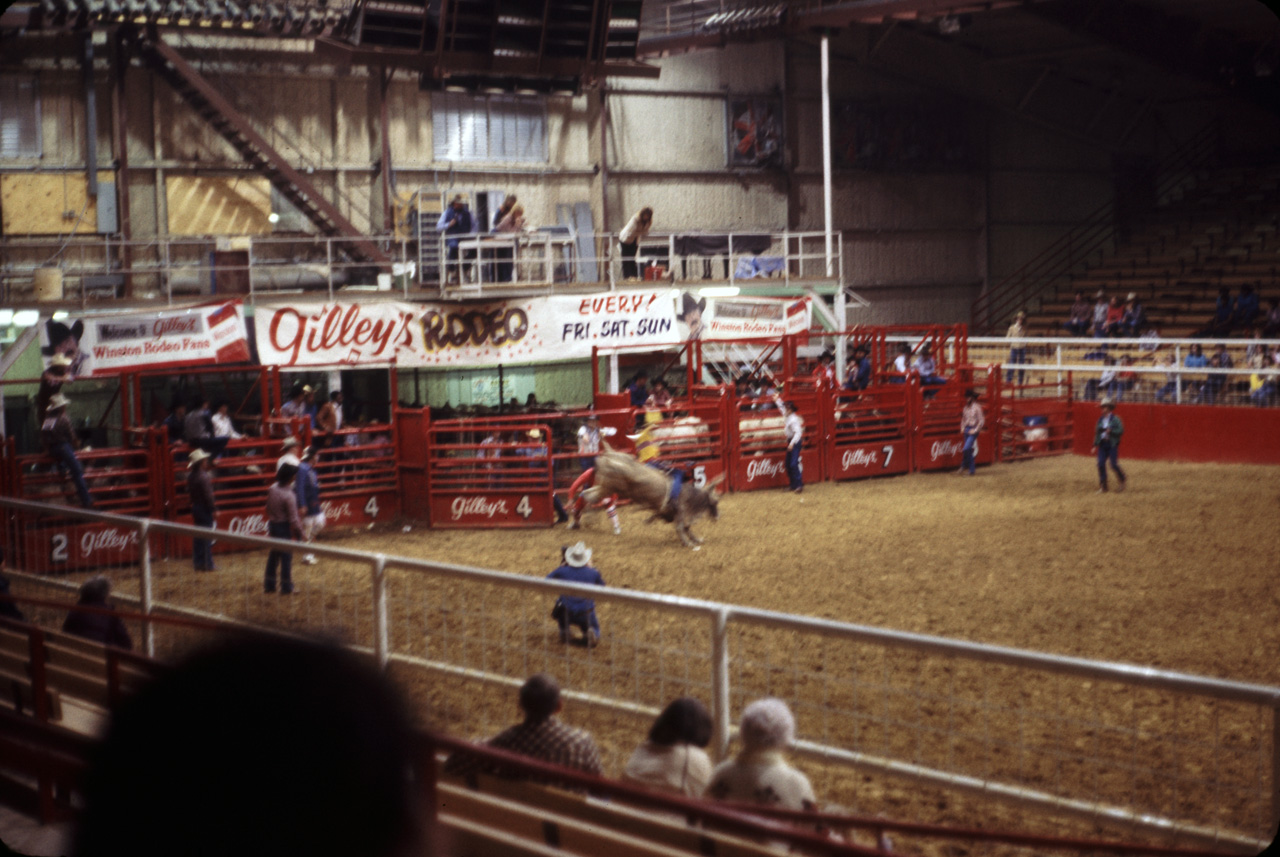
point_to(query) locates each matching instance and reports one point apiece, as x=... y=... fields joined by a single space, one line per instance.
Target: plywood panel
x=218 y=205
x=48 y=204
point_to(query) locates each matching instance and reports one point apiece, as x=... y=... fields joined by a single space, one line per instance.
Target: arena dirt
x=1178 y=572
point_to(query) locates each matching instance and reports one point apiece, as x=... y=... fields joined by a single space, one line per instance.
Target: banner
x=532 y=330
x=103 y=345
x=741 y=318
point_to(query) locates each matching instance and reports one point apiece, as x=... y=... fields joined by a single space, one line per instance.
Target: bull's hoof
x=573 y=525
x=697 y=547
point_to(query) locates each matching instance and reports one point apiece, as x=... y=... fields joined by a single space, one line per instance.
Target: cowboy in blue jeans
x=60 y=441
x=1106 y=442
x=574 y=609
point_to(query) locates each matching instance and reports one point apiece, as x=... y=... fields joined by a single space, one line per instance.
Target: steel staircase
x=209 y=103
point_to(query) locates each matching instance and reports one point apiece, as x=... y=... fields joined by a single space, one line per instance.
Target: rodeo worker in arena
x=574 y=609
x=1106 y=442
x=794 y=428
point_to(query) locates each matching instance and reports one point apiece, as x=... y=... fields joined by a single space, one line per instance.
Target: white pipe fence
x=1193 y=757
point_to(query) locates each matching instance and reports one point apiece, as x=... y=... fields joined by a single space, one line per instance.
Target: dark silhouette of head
x=539 y=697
x=684 y=721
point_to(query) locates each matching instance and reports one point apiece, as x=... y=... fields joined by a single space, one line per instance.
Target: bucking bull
x=620 y=474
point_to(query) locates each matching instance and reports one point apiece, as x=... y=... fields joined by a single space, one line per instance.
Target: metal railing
x=184 y=268
x=1062 y=734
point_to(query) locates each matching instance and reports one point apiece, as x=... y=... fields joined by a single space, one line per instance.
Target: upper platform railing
x=92 y=271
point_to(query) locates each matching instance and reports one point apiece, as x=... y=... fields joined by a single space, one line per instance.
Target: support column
x=120 y=133
x=384 y=129
x=826 y=151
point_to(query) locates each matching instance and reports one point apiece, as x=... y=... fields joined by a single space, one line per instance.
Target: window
x=489 y=127
x=19 y=117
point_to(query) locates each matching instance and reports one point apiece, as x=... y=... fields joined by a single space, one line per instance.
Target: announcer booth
x=939 y=445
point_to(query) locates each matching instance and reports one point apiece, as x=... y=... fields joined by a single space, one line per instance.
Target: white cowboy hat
x=196 y=457
x=57 y=400
x=578 y=555
x=1107 y=402
x=287 y=458
x=535 y=434
x=288 y=442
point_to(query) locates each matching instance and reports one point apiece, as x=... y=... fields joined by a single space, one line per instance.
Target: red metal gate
x=870 y=432
x=490 y=473
x=939 y=445
x=1036 y=421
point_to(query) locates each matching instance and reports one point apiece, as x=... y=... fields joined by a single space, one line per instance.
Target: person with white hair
x=760 y=772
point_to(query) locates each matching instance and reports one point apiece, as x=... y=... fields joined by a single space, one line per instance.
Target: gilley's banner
x=103 y=345
x=560 y=327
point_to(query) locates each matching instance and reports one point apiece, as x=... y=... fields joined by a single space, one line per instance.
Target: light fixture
x=6 y=317
x=61 y=314
x=273 y=218
x=26 y=318
x=719 y=292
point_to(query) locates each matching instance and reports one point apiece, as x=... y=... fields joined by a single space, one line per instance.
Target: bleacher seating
x=1221 y=231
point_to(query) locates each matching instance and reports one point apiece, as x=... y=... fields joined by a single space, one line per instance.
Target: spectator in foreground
x=260 y=747
x=539 y=736
x=760 y=773
x=674 y=759
x=101 y=625
x=575 y=610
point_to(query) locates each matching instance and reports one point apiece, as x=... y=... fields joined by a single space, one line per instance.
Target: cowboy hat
x=689 y=305
x=1108 y=402
x=535 y=434
x=287 y=460
x=309 y=452
x=578 y=555
x=288 y=442
x=56 y=401
x=196 y=457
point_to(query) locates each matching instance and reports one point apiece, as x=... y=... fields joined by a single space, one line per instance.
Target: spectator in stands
x=1261 y=385
x=455 y=222
x=900 y=366
x=52 y=380
x=1126 y=376
x=576 y=610
x=8 y=609
x=259 y=747
x=858 y=373
x=1271 y=325
x=1079 y=317
x=540 y=736
x=1114 y=325
x=1100 y=307
x=629 y=241
x=1220 y=324
x=972 y=422
x=204 y=507
x=98 y=622
x=61 y=443
x=329 y=421
x=297 y=405
x=223 y=427
x=283 y=523
x=175 y=423
x=927 y=369
x=1106 y=443
x=1134 y=317
x=307 y=488
x=1214 y=382
x=760 y=773
x=1105 y=383
x=659 y=396
x=1169 y=364
x=1017 y=349
x=1244 y=312
x=1149 y=341
x=1255 y=347
x=197 y=428
x=824 y=374
x=1195 y=358
x=674 y=758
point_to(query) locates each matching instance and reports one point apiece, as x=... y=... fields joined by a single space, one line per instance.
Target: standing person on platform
x=794 y=428
x=203 y=506
x=1106 y=443
x=629 y=238
x=282 y=523
x=223 y=427
x=824 y=374
x=60 y=441
x=576 y=610
x=307 y=488
x=972 y=422
x=858 y=375
x=454 y=223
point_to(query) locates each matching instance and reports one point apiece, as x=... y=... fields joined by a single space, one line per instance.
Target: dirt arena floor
x=1178 y=572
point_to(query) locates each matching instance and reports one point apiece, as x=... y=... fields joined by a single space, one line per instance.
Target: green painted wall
x=567 y=384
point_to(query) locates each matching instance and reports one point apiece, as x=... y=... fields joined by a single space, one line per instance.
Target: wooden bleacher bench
x=16 y=690
x=75 y=668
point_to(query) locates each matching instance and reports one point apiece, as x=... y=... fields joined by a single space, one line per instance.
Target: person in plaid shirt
x=540 y=736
